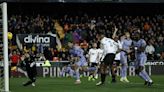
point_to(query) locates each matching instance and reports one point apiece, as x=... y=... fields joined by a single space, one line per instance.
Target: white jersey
x=118 y=57
x=109 y=46
x=100 y=53
x=93 y=55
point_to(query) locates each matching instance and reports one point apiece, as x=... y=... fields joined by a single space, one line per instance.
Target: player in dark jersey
x=31 y=69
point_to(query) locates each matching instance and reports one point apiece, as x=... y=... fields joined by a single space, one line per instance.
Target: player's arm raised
x=115 y=31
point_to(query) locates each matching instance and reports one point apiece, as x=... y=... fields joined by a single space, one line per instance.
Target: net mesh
x=1 y=54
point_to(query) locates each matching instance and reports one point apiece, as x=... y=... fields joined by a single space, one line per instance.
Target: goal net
x=4 y=62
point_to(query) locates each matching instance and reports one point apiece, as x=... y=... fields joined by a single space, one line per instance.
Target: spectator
x=48 y=54
x=42 y=57
x=84 y=27
x=68 y=36
x=14 y=58
x=84 y=44
x=40 y=48
x=150 y=51
x=159 y=49
x=76 y=37
x=33 y=48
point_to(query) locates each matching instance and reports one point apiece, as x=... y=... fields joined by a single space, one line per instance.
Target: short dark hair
x=101 y=33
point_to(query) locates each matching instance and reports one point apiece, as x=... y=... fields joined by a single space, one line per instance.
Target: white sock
x=78 y=80
x=150 y=81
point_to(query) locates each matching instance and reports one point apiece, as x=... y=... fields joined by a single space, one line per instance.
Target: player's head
x=70 y=44
x=116 y=38
x=127 y=34
x=14 y=52
x=76 y=44
x=101 y=35
x=94 y=45
x=136 y=36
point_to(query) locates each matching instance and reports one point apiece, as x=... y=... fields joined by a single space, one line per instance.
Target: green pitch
x=67 y=85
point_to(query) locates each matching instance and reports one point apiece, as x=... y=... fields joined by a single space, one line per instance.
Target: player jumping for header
x=109 y=47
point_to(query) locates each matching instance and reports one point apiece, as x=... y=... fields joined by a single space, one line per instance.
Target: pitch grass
x=67 y=85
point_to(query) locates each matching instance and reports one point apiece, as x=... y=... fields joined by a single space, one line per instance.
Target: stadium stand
x=84 y=26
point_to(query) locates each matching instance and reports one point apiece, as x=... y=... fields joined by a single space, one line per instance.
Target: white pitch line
x=139 y=83
x=143 y=83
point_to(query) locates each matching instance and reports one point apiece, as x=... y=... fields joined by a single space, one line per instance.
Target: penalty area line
x=143 y=83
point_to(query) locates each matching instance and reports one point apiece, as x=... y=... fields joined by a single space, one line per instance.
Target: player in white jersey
x=109 y=47
x=93 y=61
x=116 y=61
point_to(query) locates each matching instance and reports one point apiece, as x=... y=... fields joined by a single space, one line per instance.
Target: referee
x=109 y=47
x=30 y=68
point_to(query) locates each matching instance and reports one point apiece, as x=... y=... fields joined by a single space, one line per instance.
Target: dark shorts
x=117 y=62
x=93 y=64
x=109 y=59
x=13 y=64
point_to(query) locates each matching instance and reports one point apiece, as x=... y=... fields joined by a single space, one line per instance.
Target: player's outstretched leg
x=148 y=81
x=68 y=70
x=31 y=81
x=22 y=71
x=143 y=74
x=27 y=83
x=103 y=69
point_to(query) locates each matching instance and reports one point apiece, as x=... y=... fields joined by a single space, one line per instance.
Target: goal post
x=5 y=61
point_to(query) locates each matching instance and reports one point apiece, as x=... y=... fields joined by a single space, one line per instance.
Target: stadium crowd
x=84 y=29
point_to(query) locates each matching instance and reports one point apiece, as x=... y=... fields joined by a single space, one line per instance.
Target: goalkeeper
x=31 y=69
